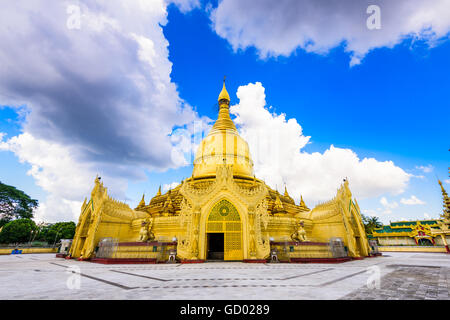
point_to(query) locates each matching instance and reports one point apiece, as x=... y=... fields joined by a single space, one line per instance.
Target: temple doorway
x=215 y=246
x=424 y=242
x=224 y=232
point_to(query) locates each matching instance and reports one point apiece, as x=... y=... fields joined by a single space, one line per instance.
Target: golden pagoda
x=222 y=212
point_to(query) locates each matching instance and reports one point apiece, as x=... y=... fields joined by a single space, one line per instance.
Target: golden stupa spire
x=442 y=187
x=302 y=203
x=446 y=200
x=286 y=194
x=224 y=121
x=142 y=203
x=159 y=191
x=223 y=145
x=224 y=97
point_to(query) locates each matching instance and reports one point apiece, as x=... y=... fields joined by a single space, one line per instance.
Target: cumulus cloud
x=94 y=79
x=279 y=28
x=277 y=143
x=413 y=200
x=387 y=204
x=65 y=180
x=104 y=87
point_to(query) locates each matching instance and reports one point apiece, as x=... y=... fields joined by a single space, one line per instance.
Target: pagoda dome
x=222 y=145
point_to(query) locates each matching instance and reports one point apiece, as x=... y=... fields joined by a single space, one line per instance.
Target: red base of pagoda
x=124 y=260
x=373 y=255
x=320 y=260
x=254 y=260
x=192 y=261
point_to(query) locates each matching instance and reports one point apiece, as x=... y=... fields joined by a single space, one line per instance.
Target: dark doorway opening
x=215 y=246
x=424 y=242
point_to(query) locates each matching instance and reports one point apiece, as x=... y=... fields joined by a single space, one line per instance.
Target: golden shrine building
x=424 y=233
x=222 y=212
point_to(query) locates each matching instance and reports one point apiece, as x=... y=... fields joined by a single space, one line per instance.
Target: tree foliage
x=371 y=223
x=58 y=231
x=17 y=231
x=15 y=204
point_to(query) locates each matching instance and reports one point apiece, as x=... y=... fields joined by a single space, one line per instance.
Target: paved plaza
x=392 y=276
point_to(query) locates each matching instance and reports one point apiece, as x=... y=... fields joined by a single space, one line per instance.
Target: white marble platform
x=42 y=276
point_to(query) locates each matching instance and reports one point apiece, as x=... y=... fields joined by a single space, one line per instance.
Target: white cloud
x=276 y=145
x=447 y=181
x=186 y=5
x=425 y=169
x=387 y=204
x=413 y=200
x=66 y=180
x=370 y=212
x=170 y=186
x=279 y=28
x=426 y=216
x=98 y=98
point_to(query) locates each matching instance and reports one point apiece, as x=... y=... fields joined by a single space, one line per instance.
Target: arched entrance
x=224 y=233
x=424 y=242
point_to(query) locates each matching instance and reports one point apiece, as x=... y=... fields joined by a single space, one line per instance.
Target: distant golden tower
x=446 y=199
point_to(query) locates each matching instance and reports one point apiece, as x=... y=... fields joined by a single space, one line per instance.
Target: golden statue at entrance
x=300 y=233
x=223 y=205
x=146 y=233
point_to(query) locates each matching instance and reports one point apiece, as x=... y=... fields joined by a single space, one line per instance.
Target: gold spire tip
x=224 y=93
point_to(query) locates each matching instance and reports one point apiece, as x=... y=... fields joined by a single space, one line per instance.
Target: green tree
x=371 y=223
x=17 y=231
x=60 y=230
x=15 y=204
x=39 y=234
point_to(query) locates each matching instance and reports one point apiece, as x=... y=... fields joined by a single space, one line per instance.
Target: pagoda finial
x=159 y=191
x=286 y=194
x=142 y=203
x=446 y=200
x=224 y=97
x=302 y=203
x=224 y=121
x=442 y=187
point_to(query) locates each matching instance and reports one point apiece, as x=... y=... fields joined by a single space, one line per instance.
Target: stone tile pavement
x=408 y=283
x=402 y=276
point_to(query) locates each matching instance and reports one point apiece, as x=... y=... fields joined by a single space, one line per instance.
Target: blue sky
x=393 y=106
